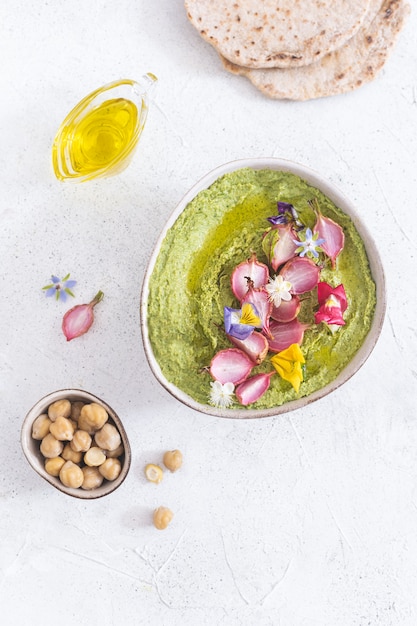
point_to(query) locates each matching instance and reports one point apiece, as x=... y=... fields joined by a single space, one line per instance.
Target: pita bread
x=345 y=69
x=284 y=33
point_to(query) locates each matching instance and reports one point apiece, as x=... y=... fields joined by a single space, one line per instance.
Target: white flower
x=278 y=289
x=221 y=395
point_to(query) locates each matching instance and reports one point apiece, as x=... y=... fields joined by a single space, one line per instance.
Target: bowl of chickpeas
x=77 y=443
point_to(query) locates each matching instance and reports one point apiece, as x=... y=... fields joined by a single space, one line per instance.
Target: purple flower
x=286 y=215
x=60 y=288
x=240 y=323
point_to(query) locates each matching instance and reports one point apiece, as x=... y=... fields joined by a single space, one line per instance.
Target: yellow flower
x=288 y=365
x=249 y=316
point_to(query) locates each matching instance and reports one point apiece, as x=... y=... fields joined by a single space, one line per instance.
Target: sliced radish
x=287 y=310
x=302 y=273
x=250 y=272
x=280 y=244
x=253 y=388
x=333 y=235
x=230 y=366
x=283 y=335
x=255 y=346
x=259 y=297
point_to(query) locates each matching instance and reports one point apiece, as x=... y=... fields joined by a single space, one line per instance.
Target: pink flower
x=333 y=304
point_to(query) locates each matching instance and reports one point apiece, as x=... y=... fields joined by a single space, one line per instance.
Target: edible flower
x=333 y=303
x=60 y=288
x=221 y=395
x=308 y=246
x=288 y=365
x=240 y=323
x=78 y=320
x=278 y=289
x=286 y=215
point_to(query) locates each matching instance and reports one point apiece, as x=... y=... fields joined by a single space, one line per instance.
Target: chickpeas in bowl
x=77 y=443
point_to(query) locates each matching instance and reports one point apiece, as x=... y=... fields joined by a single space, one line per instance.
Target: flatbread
x=276 y=33
x=353 y=65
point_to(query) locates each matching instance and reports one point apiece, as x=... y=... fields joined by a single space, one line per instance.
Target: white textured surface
x=304 y=520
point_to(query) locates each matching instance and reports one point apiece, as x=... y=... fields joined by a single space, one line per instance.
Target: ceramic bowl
x=36 y=460
x=346 y=206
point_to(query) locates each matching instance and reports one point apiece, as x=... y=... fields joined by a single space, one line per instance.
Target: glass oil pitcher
x=99 y=136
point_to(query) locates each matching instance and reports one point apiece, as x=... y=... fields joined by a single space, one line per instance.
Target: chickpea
x=108 y=438
x=162 y=517
x=92 y=417
x=173 y=460
x=94 y=457
x=81 y=441
x=71 y=475
x=154 y=473
x=110 y=469
x=76 y=410
x=50 y=446
x=111 y=454
x=53 y=466
x=92 y=477
x=62 y=429
x=40 y=427
x=71 y=455
x=60 y=408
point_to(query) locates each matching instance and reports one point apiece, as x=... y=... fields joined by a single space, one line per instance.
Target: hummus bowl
x=218 y=225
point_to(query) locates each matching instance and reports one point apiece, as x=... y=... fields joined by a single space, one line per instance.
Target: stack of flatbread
x=301 y=49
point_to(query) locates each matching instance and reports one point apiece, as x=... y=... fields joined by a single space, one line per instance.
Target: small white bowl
x=347 y=207
x=36 y=460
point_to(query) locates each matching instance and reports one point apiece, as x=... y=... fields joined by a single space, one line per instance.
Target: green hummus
x=190 y=284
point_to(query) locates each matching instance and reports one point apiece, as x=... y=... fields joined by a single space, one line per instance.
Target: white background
x=308 y=519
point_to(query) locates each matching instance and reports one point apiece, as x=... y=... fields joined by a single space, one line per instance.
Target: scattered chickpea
x=53 y=466
x=92 y=417
x=110 y=469
x=51 y=447
x=108 y=437
x=94 y=457
x=40 y=427
x=62 y=429
x=92 y=477
x=162 y=516
x=154 y=473
x=81 y=441
x=60 y=408
x=173 y=460
x=71 y=455
x=71 y=475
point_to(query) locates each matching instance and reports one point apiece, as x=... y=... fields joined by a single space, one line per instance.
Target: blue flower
x=60 y=288
x=310 y=244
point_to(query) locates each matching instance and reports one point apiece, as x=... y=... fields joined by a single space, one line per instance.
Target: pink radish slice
x=255 y=346
x=281 y=244
x=253 y=388
x=230 y=366
x=284 y=335
x=287 y=310
x=260 y=299
x=333 y=235
x=302 y=273
x=250 y=272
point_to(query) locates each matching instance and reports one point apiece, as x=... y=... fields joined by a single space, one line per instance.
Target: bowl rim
x=35 y=460
x=315 y=179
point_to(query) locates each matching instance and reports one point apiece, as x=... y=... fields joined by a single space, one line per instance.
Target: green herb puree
x=190 y=283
